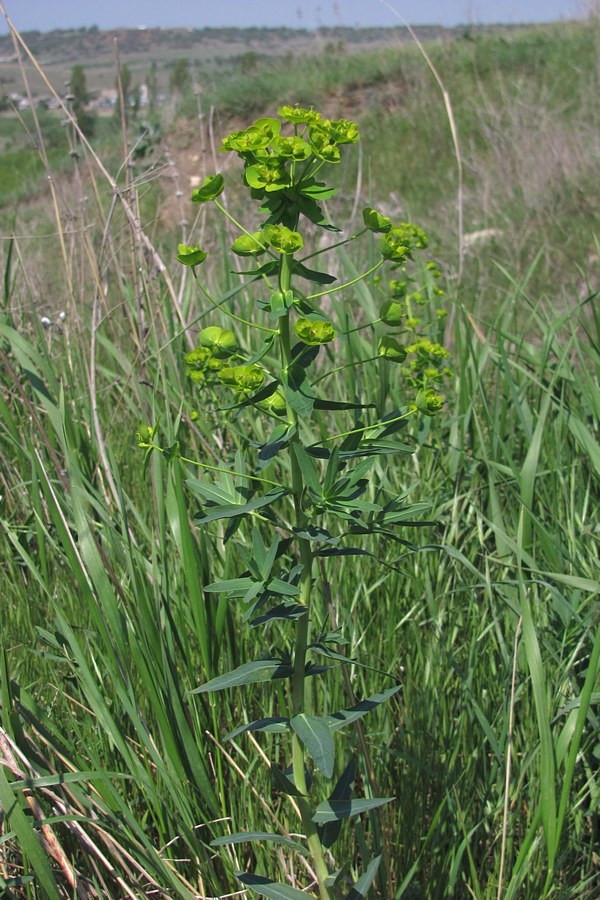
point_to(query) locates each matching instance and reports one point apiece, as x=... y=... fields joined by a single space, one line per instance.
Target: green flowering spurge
x=321 y=495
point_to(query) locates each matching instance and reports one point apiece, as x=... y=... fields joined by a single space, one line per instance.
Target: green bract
x=269 y=174
x=398 y=288
x=392 y=313
x=210 y=189
x=200 y=363
x=323 y=144
x=220 y=341
x=391 y=350
x=242 y=378
x=298 y=115
x=428 y=402
x=275 y=404
x=314 y=333
x=290 y=148
x=282 y=239
x=375 y=221
x=343 y=131
x=424 y=347
x=249 y=244
x=190 y=256
x=254 y=140
x=144 y=435
x=400 y=240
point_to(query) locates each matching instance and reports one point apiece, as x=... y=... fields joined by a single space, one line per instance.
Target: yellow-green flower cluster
x=215 y=346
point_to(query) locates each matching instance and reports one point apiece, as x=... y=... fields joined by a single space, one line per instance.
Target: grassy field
x=487 y=615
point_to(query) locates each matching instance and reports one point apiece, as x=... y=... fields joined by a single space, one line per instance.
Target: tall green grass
x=105 y=627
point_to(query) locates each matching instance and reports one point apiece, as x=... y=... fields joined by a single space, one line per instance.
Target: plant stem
x=232 y=315
x=347 y=284
x=299 y=704
x=201 y=465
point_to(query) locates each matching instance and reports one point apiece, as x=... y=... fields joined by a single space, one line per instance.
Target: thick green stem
x=299 y=704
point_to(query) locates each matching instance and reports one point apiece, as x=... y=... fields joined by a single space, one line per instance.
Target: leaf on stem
x=337 y=810
x=361 y=887
x=270 y=725
x=330 y=831
x=297 y=390
x=261 y=885
x=248 y=673
x=229 y=511
x=315 y=734
x=281 y=782
x=347 y=716
x=241 y=837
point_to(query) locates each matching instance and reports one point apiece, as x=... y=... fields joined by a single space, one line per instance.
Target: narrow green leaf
x=316 y=736
x=214 y=492
x=282 y=783
x=66 y=778
x=341 y=404
x=330 y=831
x=312 y=275
x=249 y=673
x=334 y=810
x=29 y=843
x=347 y=716
x=233 y=586
x=316 y=533
x=586 y=441
x=241 y=837
x=308 y=470
x=261 y=885
x=337 y=877
x=281 y=611
x=283 y=588
x=272 y=725
x=540 y=696
x=233 y=510
x=361 y=887
x=278 y=439
x=297 y=390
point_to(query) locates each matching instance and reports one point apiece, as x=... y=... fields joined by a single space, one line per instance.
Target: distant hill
x=79 y=44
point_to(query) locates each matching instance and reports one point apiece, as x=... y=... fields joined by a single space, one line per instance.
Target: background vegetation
x=489 y=617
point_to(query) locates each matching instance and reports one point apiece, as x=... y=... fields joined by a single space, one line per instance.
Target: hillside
x=208 y=48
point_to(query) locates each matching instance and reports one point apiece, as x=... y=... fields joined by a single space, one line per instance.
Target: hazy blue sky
x=44 y=15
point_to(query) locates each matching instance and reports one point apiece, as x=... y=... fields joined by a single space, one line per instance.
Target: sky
x=45 y=15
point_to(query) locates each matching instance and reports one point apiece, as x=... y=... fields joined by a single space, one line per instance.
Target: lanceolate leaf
x=330 y=831
x=315 y=734
x=249 y=673
x=361 y=887
x=231 y=510
x=333 y=810
x=281 y=611
x=282 y=783
x=271 y=889
x=341 y=404
x=235 y=587
x=273 y=725
x=297 y=390
x=338 y=876
x=278 y=439
x=312 y=275
x=347 y=716
x=242 y=837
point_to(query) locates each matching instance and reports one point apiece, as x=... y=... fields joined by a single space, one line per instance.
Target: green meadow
x=483 y=601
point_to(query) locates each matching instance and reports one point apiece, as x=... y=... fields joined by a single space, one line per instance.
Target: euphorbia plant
x=296 y=500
